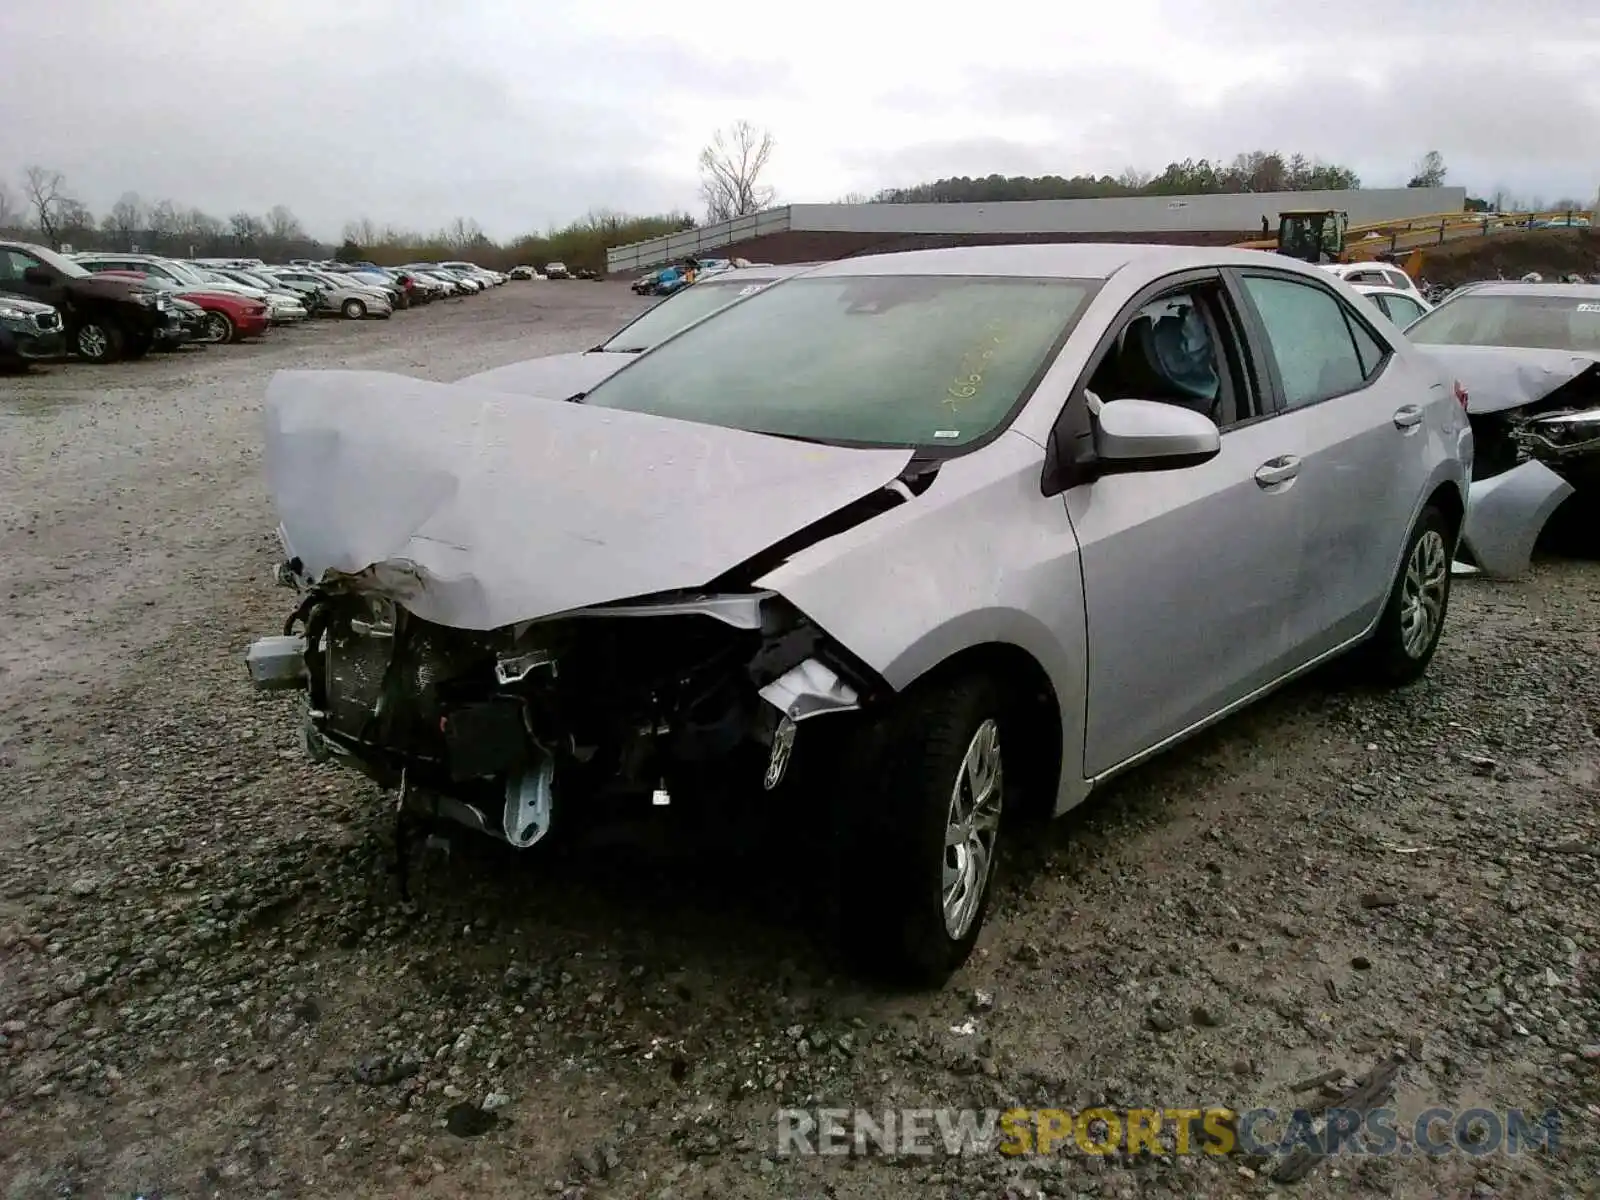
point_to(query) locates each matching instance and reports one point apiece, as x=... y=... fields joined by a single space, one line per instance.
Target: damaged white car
x=964 y=533
x=1529 y=358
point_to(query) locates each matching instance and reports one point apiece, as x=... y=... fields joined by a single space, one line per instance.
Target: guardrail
x=1436 y=228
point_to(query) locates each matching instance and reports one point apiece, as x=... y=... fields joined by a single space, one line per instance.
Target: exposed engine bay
x=499 y=729
x=1557 y=429
x=1535 y=417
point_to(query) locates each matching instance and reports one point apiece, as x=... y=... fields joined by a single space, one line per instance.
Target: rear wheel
x=1408 y=632
x=98 y=340
x=919 y=831
x=218 y=329
x=353 y=309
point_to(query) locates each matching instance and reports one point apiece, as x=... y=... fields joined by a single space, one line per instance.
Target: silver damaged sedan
x=933 y=541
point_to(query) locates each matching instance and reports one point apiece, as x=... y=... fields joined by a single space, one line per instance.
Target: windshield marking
x=968 y=380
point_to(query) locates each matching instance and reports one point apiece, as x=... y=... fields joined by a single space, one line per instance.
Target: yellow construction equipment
x=1314 y=235
x=1324 y=234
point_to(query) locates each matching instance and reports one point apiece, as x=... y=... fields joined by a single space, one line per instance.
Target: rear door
x=1357 y=414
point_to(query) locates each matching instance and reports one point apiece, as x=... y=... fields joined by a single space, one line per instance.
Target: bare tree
x=362 y=232
x=463 y=234
x=41 y=188
x=10 y=214
x=1134 y=178
x=126 y=219
x=1430 y=171
x=283 y=226
x=854 y=198
x=246 y=229
x=730 y=172
x=73 y=220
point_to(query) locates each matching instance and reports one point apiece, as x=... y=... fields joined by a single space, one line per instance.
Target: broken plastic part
x=529 y=801
x=1505 y=514
x=742 y=611
x=808 y=690
x=277 y=664
x=517 y=667
x=782 y=749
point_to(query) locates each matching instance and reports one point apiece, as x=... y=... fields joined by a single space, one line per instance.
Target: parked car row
x=923 y=543
x=103 y=306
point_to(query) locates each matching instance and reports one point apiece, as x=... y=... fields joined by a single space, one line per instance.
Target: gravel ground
x=208 y=985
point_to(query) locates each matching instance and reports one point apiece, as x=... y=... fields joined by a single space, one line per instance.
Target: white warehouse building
x=811 y=232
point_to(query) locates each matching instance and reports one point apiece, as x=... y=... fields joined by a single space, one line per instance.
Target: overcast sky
x=521 y=113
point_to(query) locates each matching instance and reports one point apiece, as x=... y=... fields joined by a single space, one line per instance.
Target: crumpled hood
x=478 y=509
x=1498 y=378
x=554 y=377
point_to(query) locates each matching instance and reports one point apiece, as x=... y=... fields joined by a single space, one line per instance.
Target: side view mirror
x=38 y=276
x=1147 y=435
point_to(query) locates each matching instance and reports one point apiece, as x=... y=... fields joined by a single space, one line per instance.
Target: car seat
x=1170 y=359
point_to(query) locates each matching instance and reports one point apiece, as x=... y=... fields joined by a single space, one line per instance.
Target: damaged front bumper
x=499 y=730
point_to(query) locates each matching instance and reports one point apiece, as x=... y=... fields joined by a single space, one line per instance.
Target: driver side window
x=1178 y=349
x=13 y=263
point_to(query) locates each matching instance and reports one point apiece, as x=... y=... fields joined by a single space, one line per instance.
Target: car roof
x=1511 y=287
x=1063 y=260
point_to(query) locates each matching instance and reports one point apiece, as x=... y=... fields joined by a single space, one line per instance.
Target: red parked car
x=229 y=317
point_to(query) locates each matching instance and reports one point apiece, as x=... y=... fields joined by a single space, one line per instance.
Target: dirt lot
x=208 y=985
x=1551 y=252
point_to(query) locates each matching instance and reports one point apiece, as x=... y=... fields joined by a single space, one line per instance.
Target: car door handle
x=1407 y=416
x=1277 y=470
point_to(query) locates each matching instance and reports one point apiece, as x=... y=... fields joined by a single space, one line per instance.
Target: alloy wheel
x=971 y=828
x=93 y=342
x=1423 y=593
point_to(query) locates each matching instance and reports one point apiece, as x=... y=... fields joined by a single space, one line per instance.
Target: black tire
x=219 y=330
x=896 y=801
x=1390 y=657
x=138 y=347
x=353 y=309
x=98 y=340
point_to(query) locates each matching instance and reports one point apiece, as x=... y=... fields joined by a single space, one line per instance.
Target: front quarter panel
x=980 y=558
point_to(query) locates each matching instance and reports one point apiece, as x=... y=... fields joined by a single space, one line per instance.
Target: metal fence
x=639 y=256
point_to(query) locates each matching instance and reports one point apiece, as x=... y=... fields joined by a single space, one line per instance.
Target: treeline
x=1257 y=171
x=582 y=244
x=41 y=208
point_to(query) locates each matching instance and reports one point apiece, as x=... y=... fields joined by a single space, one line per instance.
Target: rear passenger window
x=1403 y=311
x=1319 y=351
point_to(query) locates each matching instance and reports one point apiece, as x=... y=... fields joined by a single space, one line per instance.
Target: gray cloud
x=1498 y=122
x=413 y=112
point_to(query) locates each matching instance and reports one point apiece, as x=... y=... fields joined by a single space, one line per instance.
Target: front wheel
x=218 y=329
x=920 y=830
x=353 y=309
x=1408 y=632
x=99 y=341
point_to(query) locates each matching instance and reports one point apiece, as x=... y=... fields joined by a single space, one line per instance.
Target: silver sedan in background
x=343 y=294
x=936 y=538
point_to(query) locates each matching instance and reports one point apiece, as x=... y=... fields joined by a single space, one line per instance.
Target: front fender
x=980 y=558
